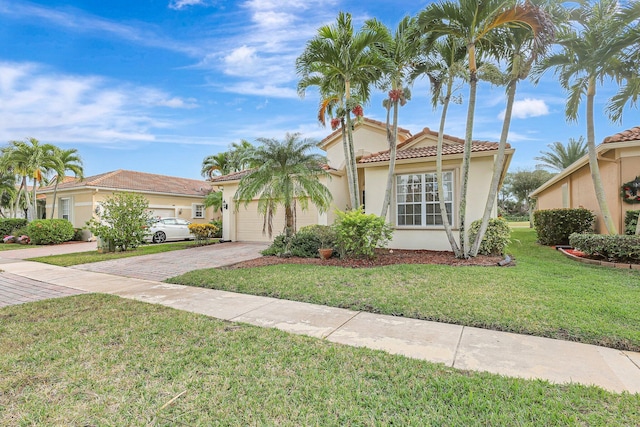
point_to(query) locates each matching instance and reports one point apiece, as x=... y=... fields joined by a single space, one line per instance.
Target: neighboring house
x=414 y=210
x=168 y=196
x=619 y=161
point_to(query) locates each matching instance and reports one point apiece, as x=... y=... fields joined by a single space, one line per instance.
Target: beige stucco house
x=168 y=196
x=414 y=209
x=619 y=162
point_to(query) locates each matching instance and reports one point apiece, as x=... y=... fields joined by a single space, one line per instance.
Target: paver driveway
x=169 y=264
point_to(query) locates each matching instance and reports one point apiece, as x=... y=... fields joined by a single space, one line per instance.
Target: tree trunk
x=352 y=164
x=497 y=168
x=466 y=159
x=347 y=164
x=638 y=225
x=443 y=205
x=593 y=162
x=392 y=139
x=55 y=195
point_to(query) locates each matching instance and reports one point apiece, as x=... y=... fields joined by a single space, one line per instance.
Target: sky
x=157 y=85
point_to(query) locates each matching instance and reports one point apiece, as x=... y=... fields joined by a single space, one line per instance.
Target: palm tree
x=560 y=156
x=444 y=63
x=399 y=51
x=216 y=164
x=7 y=190
x=473 y=22
x=287 y=175
x=598 y=48
x=340 y=57
x=67 y=160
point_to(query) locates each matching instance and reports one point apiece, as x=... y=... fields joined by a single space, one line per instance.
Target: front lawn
x=98 y=360
x=545 y=294
x=67 y=260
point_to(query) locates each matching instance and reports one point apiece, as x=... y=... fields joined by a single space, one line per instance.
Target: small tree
x=122 y=221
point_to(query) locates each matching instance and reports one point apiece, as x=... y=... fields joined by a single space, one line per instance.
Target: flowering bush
x=8 y=239
x=50 y=231
x=23 y=240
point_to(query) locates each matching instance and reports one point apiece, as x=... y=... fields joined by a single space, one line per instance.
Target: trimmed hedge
x=554 y=226
x=630 y=222
x=495 y=239
x=50 y=231
x=305 y=243
x=8 y=225
x=617 y=248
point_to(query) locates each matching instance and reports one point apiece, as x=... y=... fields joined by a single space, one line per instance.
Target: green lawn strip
x=15 y=246
x=545 y=294
x=102 y=360
x=67 y=260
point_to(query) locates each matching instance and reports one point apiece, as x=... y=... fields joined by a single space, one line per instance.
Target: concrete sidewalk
x=456 y=346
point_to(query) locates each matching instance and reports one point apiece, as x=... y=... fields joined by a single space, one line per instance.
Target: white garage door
x=162 y=213
x=249 y=223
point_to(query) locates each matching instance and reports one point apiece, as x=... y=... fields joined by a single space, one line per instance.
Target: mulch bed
x=383 y=257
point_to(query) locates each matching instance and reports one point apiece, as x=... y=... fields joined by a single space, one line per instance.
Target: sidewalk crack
x=341 y=325
x=455 y=354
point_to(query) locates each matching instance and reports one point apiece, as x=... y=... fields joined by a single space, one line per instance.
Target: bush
x=619 y=248
x=203 y=232
x=358 y=234
x=218 y=224
x=50 y=231
x=305 y=243
x=123 y=222
x=630 y=222
x=7 y=225
x=278 y=247
x=495 y=239
x=554 y=226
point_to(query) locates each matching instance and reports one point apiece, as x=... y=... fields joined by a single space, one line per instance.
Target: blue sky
x=157 y=85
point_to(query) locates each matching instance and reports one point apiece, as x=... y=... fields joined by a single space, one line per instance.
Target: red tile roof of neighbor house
x=236 y=176
x=138 y=181
x=632 y=134
x=431 y=151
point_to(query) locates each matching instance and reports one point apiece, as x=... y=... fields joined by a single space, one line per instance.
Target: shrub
x=358 y=234
x=123 y=221
x=50 y=231
x=631 y=222
x=305 y=243
x=278 y=247
x=7 y=225
x=495 y=239
x=203 y=232
x=554 y=226
x=218 y=224
x=613 y=248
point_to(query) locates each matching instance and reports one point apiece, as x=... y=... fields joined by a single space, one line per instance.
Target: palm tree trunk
x=443 y=205
x=34 y=205
x=392 y=139
x=593 y=162
x=55 y=195
x=352 y=164
x=347 y=164
x=497 y=168
x=466 y=158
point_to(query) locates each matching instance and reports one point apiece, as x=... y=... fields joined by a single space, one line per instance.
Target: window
x=65 y=208
x=198 y=211
x=417 y=199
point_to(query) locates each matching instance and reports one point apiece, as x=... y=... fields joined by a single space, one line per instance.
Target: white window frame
x=198 y=210
x=61 y=213
x=416 y=203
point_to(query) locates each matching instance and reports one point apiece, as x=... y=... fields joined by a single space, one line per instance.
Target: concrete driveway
x=161 y=266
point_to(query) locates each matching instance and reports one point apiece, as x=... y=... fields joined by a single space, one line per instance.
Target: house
x=168 y=196
x=414 y=210
x=619 y=162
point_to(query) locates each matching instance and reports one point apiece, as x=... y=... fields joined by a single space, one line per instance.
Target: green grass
x=545 y=294
x=67 y=260
x=101 y=360
x=14 y=246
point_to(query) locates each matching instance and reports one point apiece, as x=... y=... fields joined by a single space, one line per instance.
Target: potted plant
x=327 y=237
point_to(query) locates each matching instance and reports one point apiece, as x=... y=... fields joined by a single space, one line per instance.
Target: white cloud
x=70 y=108
x=251 y=88
x=241 y=61
x=528 y=107
x=181 y=4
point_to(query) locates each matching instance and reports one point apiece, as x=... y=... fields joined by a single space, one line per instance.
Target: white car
x=166 y=229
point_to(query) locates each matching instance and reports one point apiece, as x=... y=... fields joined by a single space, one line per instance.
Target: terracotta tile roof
x=419 y=152
x=236 y=176
x=632 y=134
x=427 y=131
x=370 y=121
x=139 y=181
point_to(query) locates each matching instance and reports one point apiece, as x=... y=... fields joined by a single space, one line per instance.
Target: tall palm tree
x=444 y=64
x=474 y=22
x=67 y=161
x=598 y=47
x=7 y=190
x=560 y=156
x=338 y=56
x=240 y=156
x=216 y=164
x=288 y=175
x=399 y=51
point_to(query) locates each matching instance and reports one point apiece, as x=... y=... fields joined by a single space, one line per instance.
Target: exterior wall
x=430 y=237
x=366 y=140
x=337 y=185
x=618 y=166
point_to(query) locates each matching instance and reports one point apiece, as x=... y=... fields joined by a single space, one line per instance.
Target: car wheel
x=159 y=237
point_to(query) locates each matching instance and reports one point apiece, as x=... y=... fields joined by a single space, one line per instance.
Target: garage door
x=249 y=223
x=162 y=213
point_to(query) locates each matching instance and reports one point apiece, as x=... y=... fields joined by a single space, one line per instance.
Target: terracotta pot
x=325 y=253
